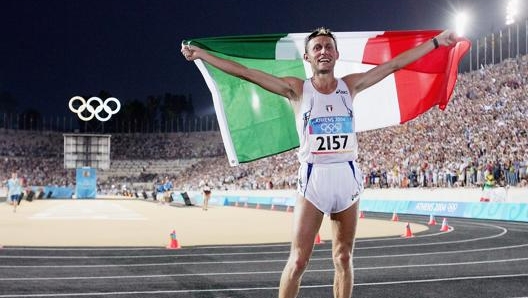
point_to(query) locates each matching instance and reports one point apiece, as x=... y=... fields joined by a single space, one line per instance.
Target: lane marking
x=502 y=233
x=232 y=254
x=433 y=280
x=267 y=272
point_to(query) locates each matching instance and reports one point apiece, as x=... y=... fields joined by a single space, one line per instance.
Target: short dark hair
x=321 y=31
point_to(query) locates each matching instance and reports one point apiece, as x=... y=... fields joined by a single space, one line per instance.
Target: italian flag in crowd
x=255 y=123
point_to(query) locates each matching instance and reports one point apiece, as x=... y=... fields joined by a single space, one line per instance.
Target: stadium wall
x=501 y=204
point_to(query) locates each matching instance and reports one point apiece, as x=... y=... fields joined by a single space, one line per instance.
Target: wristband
x=435 y=42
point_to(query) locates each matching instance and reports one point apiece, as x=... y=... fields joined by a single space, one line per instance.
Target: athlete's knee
x=297 y=265
x=342 y=259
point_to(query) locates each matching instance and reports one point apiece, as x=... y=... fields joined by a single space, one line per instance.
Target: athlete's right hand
x=189 y=51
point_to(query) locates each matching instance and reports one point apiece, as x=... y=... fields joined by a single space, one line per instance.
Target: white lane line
x=189 y=291
x=259 y=272
x=502 y=233
x=499 y=276
x=174 y=256
x=445 y=252
x=239 y=254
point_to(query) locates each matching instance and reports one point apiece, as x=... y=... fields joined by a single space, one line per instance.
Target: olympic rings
x=94 y=110
x=331 y=127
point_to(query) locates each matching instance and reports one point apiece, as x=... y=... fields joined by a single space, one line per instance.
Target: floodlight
x=461 y=21
x=511 y=11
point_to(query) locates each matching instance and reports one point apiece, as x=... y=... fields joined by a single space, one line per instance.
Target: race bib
x=331 y=135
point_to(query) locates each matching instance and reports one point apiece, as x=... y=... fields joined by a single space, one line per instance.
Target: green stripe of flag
x=260 y=123
x=247 y=46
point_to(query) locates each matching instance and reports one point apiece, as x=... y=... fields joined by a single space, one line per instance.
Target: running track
x=473 y=259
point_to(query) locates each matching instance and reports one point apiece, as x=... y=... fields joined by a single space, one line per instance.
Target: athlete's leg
x=16 y=199
x=306 y=223
x=205 y=202
x=344 y=226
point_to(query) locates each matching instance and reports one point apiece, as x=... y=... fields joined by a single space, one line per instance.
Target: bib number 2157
x=331 y=142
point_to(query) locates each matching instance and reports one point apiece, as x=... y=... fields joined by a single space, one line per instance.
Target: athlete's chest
x=335 y=104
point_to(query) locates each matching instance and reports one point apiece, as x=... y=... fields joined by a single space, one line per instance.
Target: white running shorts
x=331 y=188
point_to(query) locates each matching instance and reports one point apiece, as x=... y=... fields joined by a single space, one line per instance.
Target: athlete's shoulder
x=296 y=86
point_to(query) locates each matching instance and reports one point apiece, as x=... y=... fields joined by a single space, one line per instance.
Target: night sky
x=52 y=50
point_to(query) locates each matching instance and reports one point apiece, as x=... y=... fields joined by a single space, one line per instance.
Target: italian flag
x=255 y=123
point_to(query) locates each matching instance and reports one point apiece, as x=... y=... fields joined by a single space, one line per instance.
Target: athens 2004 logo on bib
x=331 y=134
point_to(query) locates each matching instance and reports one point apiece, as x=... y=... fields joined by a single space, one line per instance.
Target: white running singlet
x=328 y=176
x=325 y=125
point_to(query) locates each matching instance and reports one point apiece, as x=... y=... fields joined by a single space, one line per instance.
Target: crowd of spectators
x=166 y=145
x=482 y=134
x=37 y=157
x=482 y=131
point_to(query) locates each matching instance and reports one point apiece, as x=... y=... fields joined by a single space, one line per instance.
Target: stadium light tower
x=511 y=11
x=461 y=20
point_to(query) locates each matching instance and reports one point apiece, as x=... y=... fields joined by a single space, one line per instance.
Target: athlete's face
x=322 y=53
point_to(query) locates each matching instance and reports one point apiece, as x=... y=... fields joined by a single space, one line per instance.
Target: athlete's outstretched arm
x=361 y=81
x=287 y=87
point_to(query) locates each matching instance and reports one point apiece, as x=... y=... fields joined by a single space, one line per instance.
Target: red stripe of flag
x=427 y=82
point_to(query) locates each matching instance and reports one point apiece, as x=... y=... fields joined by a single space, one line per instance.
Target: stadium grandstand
x=481 y=135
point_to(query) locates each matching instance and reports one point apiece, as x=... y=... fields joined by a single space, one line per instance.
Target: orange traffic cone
x=445 y=226
x=395 y=217
x=318 y=239
x=408 y=233
x=432 y=221
x=173 y=242
x=361 y=214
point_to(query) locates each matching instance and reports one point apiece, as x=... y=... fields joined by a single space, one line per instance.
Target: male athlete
x=329 y=179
